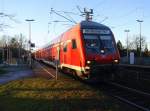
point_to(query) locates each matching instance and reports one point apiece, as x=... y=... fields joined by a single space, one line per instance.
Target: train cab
x=101 y=52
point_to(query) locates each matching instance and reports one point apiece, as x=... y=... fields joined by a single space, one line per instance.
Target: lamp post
x=127 y=31
x=29 y=21
x=48 y=27
x=140 y=21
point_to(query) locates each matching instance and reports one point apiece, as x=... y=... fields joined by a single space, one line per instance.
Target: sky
x=119 y=15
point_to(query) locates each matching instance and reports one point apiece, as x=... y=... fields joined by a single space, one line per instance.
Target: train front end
x=101 y=53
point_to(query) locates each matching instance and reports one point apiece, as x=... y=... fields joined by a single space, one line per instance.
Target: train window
x=91 y=41
x=74 y=45
x=65 y=47
x=107 y=41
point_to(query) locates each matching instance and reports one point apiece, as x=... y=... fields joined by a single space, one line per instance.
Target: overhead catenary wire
x=102 y=2
x=53 y=11
x=79 y=9
x=9 y=16
x=127 y=14
x=70 y=17
x=104 y=19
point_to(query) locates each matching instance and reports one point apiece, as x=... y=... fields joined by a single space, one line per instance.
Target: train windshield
x=92 y=43
x=107 y=43
x=96 y=43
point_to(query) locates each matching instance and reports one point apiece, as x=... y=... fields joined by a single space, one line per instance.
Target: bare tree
x=135 y=43
x=12 y=47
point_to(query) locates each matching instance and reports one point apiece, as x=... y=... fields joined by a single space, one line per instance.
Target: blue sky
x=120 y=14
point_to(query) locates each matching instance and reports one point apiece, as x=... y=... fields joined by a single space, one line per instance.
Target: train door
x=64 y=53
x=74 y=53
x=67 y=53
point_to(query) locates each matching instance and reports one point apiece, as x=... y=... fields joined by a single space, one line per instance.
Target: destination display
x=95 y=31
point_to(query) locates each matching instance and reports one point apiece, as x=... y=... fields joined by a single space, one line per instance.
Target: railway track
x=43 y=70
x=133 y=97
x=136 y=98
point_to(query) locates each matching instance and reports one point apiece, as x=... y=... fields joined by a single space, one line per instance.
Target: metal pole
x=30 y=20
x=140 y=41
x=127 y=31
x=29 y=43
x=8 y=54
x=3 y=55
x=56 y=69
x=48 y=28
x=57 y=61
x=140 y=21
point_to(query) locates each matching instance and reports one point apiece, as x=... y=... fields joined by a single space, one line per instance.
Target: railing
x=137 y=60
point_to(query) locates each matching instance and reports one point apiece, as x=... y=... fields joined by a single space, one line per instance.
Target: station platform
x=15 y=72
x=135 y=65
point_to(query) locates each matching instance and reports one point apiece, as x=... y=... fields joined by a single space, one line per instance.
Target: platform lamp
x=127 y=31
x=29 y=21
x=140 y=21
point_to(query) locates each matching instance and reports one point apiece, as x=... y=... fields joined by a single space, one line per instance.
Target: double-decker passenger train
x=85 y=50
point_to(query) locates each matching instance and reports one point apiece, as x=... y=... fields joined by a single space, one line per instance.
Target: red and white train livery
x=83 y=50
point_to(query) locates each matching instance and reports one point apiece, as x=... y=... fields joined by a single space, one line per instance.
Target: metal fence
x=137 y=60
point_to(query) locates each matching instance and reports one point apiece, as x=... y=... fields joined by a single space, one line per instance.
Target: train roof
x=91 y=24
x=83 y=25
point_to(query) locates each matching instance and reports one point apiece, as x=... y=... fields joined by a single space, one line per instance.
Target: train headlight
x=102 y=51
x=116 y=61
x=88 y=62
x=87 y=68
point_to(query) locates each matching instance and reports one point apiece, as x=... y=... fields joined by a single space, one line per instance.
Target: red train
x=84 y=50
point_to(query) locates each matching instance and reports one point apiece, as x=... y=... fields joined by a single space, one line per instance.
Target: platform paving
x=15 y=72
